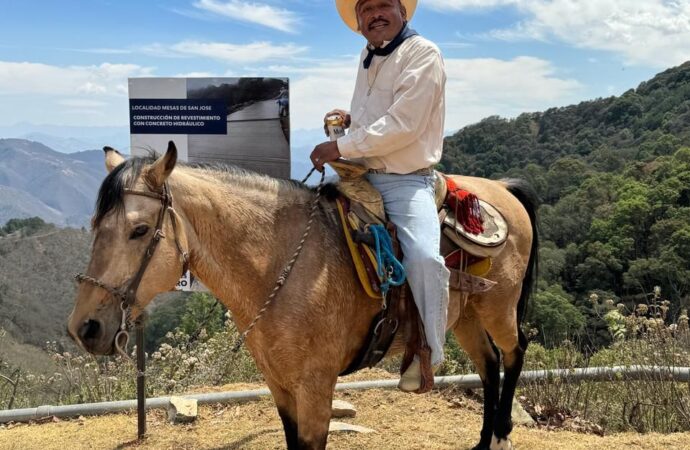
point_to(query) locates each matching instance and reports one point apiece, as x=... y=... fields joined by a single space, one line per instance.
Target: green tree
x=26 y=227
x=203 y=312
x=190 y=312
x=555 y=316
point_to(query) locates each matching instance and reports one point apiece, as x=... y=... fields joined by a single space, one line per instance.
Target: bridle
x=126 y=292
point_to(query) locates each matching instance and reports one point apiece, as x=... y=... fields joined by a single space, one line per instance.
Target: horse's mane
x=112 y=191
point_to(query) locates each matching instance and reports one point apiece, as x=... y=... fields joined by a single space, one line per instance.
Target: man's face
x=380 y=20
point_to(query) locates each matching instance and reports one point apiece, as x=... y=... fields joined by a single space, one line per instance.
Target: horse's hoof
x=501 y=444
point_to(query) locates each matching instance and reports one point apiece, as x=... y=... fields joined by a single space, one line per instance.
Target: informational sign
x=165 y=116
x=243 y=122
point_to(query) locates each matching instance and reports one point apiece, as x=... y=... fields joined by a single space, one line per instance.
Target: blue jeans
x=410 y=205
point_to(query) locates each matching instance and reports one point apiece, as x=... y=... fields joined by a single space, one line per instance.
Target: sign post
x=141 y=382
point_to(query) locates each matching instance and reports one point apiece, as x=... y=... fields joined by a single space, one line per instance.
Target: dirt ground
x=439 y=420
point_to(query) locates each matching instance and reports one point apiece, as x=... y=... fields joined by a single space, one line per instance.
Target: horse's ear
x=113 y=158
x=161 y=169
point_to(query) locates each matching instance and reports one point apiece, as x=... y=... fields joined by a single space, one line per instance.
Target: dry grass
x=403 y=421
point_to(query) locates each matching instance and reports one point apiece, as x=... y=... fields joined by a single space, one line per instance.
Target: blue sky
x=66 y=62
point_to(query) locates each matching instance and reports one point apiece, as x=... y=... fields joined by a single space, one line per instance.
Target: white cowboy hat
x=346 y=8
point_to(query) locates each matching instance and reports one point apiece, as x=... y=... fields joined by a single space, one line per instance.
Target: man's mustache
x=376 y=22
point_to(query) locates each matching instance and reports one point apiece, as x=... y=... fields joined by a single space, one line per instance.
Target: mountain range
x=69 y=139
x=44 y=176
x=36 y=180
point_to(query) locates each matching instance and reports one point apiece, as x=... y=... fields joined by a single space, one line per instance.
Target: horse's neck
x=240 y=237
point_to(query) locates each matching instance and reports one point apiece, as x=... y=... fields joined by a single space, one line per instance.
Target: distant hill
x=60 y=144
x=641 y=124
x=61 y=188
x=15 y=203
x=68 y=139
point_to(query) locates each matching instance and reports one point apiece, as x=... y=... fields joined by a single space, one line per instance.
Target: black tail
x=529 y=199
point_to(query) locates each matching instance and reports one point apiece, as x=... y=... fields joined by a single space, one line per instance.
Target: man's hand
x=323 y=153
x=346 y=119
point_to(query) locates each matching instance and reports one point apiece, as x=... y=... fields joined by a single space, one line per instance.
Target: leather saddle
x=468 y=257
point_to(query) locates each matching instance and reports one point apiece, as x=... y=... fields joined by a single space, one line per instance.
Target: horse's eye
x=139 y=231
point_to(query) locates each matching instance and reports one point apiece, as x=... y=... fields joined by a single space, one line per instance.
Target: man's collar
x=390 y=47
x=371 y=47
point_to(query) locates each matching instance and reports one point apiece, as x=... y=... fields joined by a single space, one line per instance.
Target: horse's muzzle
x=91 y=337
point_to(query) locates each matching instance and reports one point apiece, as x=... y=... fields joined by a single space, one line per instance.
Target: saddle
x=472 y=233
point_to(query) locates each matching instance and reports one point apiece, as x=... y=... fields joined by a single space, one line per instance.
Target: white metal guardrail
x=617 y=373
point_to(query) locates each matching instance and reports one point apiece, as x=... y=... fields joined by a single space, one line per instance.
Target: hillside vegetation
x=614 y=178
x=37 y=264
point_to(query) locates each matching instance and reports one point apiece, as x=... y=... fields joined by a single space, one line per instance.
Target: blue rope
x=390 y=271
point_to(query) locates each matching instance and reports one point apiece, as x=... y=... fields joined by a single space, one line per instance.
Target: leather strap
x=425 y=171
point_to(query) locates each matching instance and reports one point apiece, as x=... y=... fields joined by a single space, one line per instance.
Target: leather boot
x=411 y=380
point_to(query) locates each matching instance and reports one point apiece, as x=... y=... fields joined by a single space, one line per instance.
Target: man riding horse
x=236 y=231
x=396 y=131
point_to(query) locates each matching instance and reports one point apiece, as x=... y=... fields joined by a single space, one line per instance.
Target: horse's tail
x=529 y=199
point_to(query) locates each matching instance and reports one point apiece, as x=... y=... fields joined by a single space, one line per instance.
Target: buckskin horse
x=236 y=231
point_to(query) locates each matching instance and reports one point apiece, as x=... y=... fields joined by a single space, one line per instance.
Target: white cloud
x=196 y=75
x=476 y=88
x=237 y=53
x=644 y=32
x=458 y=5
x=97 y=95
x=81 y=103
x=36 y=78
x=76 y=95
x=317 y=89
x=259 y=13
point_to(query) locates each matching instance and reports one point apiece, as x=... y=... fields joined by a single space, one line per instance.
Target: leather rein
x=126 y=292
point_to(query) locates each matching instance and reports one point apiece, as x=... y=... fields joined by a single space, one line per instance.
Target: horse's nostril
x=89 y=330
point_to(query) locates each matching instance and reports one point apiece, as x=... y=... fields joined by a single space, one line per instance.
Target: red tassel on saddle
x=466 y=207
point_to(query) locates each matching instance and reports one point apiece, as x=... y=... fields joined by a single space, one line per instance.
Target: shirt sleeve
x=419 y=86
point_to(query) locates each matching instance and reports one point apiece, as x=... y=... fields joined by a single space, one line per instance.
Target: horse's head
x=133 y=202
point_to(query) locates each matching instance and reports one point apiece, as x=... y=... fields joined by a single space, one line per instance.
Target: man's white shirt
x=398 y=109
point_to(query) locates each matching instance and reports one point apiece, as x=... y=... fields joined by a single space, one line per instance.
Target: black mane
x=112 y=192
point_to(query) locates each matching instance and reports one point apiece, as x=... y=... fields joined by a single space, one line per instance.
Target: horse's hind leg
x=474 y=340
x=512 y=342
x=512 y=365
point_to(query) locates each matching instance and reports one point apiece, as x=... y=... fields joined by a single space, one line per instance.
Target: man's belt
x=428 y=171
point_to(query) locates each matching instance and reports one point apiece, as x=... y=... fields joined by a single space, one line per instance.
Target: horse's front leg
x=314 y=397
x=285 y=402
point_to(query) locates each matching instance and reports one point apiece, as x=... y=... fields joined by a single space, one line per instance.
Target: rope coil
x=390 y=270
